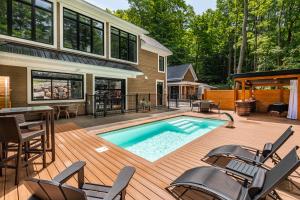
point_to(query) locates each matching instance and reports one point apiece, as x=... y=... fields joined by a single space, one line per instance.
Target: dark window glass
x=115 y=51
x=44 y=4
x=3 y=16
x=161 y=64
x=21 y=20
x=56 y=86
x=31 y=20
x=123 y=45
x=70 y=34
x=98 y=41
x=43 y=26
x=85 y=38
x=124 y=48
x=90 y=37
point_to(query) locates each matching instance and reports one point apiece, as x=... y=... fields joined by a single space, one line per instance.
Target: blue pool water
x=154 y=140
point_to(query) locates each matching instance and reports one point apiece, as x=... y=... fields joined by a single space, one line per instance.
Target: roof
x=63 y=56
x=148 y=41
x=267 y=73
x=177 y=72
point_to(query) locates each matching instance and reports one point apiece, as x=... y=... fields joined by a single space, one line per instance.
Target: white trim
x=93 y=10
x=30 y=42
x=11 y=59
x=29 y=92
x=159 y=81
x=154 y=49
x=61 y=22
x=109 y=45
x=158 y=55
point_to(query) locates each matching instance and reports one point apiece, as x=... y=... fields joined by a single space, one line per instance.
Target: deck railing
x=101 y=105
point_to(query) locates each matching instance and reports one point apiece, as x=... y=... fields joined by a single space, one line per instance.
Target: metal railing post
x=104 y=105
x=149 y=101
x=177 y=105
x=95 y=106
x=137 y=102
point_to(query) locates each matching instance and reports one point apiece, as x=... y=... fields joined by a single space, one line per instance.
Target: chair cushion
x=267 y=149
x=257 y=183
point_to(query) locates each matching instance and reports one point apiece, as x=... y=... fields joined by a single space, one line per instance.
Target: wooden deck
x=74 y=142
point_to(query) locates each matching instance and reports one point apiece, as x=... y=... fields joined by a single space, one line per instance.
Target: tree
x=244 y=40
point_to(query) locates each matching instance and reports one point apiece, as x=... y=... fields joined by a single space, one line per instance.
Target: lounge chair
x=220 y=185
x=249 y=154
x=57 y=189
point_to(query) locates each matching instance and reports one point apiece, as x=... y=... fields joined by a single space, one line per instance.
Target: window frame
x=165 y=63
x=32 y=39
x=78 y=22
x=128 y=41
x=55 y=79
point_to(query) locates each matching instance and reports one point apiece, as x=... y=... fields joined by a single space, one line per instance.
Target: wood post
x=298 y=113
x=243 y=91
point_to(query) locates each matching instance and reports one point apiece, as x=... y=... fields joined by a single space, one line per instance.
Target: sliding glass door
x=110 y=93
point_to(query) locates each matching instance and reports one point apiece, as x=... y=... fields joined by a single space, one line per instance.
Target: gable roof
x=177 y=72
x=63 y=56
x=151 y=44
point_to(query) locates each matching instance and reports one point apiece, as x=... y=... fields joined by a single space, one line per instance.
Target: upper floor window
x=83 y=33
x=161 y=67
x=56 y=86
x=27 y=19
x=123 y=45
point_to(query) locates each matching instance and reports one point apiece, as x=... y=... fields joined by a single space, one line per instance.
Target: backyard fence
x=101 y=105
x=263 y=98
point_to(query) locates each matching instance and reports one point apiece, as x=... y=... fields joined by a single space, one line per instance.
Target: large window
x=27 y=19
x=123 y=45
x=56 y=86
x=83 y=33
x=161 y=61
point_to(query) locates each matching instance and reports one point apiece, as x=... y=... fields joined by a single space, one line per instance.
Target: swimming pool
x=154 y=140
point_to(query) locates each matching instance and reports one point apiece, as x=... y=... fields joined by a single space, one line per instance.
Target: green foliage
x=212 y=40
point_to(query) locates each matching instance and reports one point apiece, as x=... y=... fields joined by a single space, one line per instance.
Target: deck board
x=76 y=142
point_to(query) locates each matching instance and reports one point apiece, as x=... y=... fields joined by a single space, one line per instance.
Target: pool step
x=185 y=126
x=191 y=129
x=179 y=124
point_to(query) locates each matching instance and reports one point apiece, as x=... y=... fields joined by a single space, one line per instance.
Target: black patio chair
x=57 y=189
x=249 y=154
x=12 y=139
x=218 y=184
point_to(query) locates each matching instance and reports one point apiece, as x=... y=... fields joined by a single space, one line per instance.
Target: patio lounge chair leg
x=18 y=164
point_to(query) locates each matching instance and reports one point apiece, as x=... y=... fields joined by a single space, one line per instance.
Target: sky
x=199 y=5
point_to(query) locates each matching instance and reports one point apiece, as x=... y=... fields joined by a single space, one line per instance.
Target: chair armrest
x=75 y=168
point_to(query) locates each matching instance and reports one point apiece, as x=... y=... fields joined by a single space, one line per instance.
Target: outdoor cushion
x=257 y=183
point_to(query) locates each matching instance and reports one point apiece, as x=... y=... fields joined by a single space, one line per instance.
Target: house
x=61 y=51
x=183 y=82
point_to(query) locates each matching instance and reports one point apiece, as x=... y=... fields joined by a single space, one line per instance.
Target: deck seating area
x=76 y=140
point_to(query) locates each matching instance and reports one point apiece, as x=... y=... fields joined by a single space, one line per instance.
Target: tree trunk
x=244 y=33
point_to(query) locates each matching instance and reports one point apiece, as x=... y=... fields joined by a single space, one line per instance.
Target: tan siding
x=149 y=66
x=18 y=84
x=189 y=76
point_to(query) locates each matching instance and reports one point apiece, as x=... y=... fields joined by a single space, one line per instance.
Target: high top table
x=47 y=111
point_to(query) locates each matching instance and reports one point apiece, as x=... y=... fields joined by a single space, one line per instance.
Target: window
x=27 y=19
x=161 y=67
x=83 y=33
x=56 y=86
x=123 y=45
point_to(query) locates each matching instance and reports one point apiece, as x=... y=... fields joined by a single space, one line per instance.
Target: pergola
x=270 y=78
